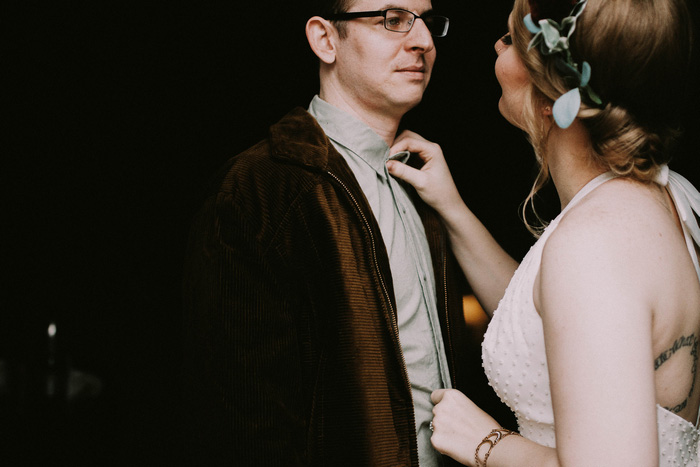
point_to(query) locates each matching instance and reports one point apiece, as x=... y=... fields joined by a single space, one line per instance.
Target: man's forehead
x=411 y=5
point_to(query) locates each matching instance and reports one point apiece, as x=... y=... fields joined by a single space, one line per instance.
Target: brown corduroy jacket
x=292 y=352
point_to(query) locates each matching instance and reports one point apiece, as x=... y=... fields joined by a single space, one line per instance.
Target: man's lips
x=412 y=69
x=414 y=73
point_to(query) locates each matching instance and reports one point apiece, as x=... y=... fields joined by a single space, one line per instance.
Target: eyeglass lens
x=402 y=21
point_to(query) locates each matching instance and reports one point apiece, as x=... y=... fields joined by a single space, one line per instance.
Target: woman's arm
x=594 y=294
x=460 y=426
x=598 y=285
x=487 y=266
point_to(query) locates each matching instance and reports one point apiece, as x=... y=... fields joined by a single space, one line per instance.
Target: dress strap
x=686 y=198
x=687 y=201
x=587 y=188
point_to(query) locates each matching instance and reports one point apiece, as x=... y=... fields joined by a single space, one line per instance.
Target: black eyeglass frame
x=370 y=14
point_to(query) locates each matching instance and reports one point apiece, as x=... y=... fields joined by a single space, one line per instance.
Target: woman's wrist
x=454 y=213
x=483 y=450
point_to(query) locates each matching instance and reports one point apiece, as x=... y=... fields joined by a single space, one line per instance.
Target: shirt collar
x=355 y=136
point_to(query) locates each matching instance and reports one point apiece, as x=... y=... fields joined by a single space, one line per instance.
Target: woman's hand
x=487 y=266
x=433 y=181
x=458 y=425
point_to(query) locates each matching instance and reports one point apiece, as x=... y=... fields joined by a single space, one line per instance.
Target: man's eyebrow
x=427 y=12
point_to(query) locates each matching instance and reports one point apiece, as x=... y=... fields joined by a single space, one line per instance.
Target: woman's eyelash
x=507 y=39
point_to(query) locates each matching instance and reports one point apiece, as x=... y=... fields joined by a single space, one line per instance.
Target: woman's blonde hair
x=639 y=52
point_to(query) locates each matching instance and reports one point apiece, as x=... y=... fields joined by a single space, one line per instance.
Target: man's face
x=383 y=71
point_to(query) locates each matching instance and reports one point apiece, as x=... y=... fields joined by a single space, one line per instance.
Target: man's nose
x=420 y=36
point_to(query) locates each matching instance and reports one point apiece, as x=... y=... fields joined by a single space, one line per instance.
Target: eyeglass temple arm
x=356 y=14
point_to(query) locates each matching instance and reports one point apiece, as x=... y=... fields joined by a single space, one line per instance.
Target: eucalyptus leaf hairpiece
x=552 y=38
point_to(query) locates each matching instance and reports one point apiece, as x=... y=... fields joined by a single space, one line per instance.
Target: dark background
x=120 y=114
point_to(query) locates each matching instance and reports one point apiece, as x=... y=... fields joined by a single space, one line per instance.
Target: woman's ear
x=322 y=35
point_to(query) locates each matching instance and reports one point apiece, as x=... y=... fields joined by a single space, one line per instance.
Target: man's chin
x=405 y=105
x=411 y=97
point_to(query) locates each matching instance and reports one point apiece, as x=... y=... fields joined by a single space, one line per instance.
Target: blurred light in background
x=474 y=315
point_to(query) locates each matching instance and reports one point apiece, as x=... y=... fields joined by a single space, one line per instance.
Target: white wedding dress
x=513 y=350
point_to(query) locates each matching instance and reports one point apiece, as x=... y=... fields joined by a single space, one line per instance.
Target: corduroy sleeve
x=243 y=391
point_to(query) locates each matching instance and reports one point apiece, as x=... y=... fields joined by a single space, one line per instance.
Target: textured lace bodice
x=514 y=357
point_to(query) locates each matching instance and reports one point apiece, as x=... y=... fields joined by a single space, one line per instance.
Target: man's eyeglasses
x=398 y=20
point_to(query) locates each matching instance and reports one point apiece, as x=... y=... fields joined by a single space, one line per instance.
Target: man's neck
x=383 y=124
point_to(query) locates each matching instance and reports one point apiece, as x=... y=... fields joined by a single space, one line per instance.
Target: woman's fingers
x=433 y=181
x=406 y=173
x=416 y=144
x=437 y=395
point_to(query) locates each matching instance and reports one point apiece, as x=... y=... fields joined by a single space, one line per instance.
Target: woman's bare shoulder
x=615 y=238
x=620 y=215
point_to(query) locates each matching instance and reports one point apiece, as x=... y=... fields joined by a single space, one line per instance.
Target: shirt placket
x=401 y=202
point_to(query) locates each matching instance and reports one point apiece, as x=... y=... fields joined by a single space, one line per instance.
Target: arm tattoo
x=683 y=342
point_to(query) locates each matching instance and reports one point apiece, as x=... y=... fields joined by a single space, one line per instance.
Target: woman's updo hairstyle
x=639 y=52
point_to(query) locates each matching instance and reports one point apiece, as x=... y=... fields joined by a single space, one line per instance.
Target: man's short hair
x=325 y=8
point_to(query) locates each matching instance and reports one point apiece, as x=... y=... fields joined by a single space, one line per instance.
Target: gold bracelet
x=492 y=439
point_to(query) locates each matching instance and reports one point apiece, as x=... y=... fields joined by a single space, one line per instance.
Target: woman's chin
x=509 y=118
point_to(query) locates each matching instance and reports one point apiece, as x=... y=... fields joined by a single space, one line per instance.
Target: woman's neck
x=570 y=162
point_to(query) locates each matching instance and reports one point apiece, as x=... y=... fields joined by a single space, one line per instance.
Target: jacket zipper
x=381 y=280
x=451 y=353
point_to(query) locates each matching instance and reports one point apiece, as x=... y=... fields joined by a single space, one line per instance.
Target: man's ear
x=322 y=36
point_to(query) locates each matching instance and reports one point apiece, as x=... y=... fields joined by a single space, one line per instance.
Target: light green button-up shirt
x=409 y=256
